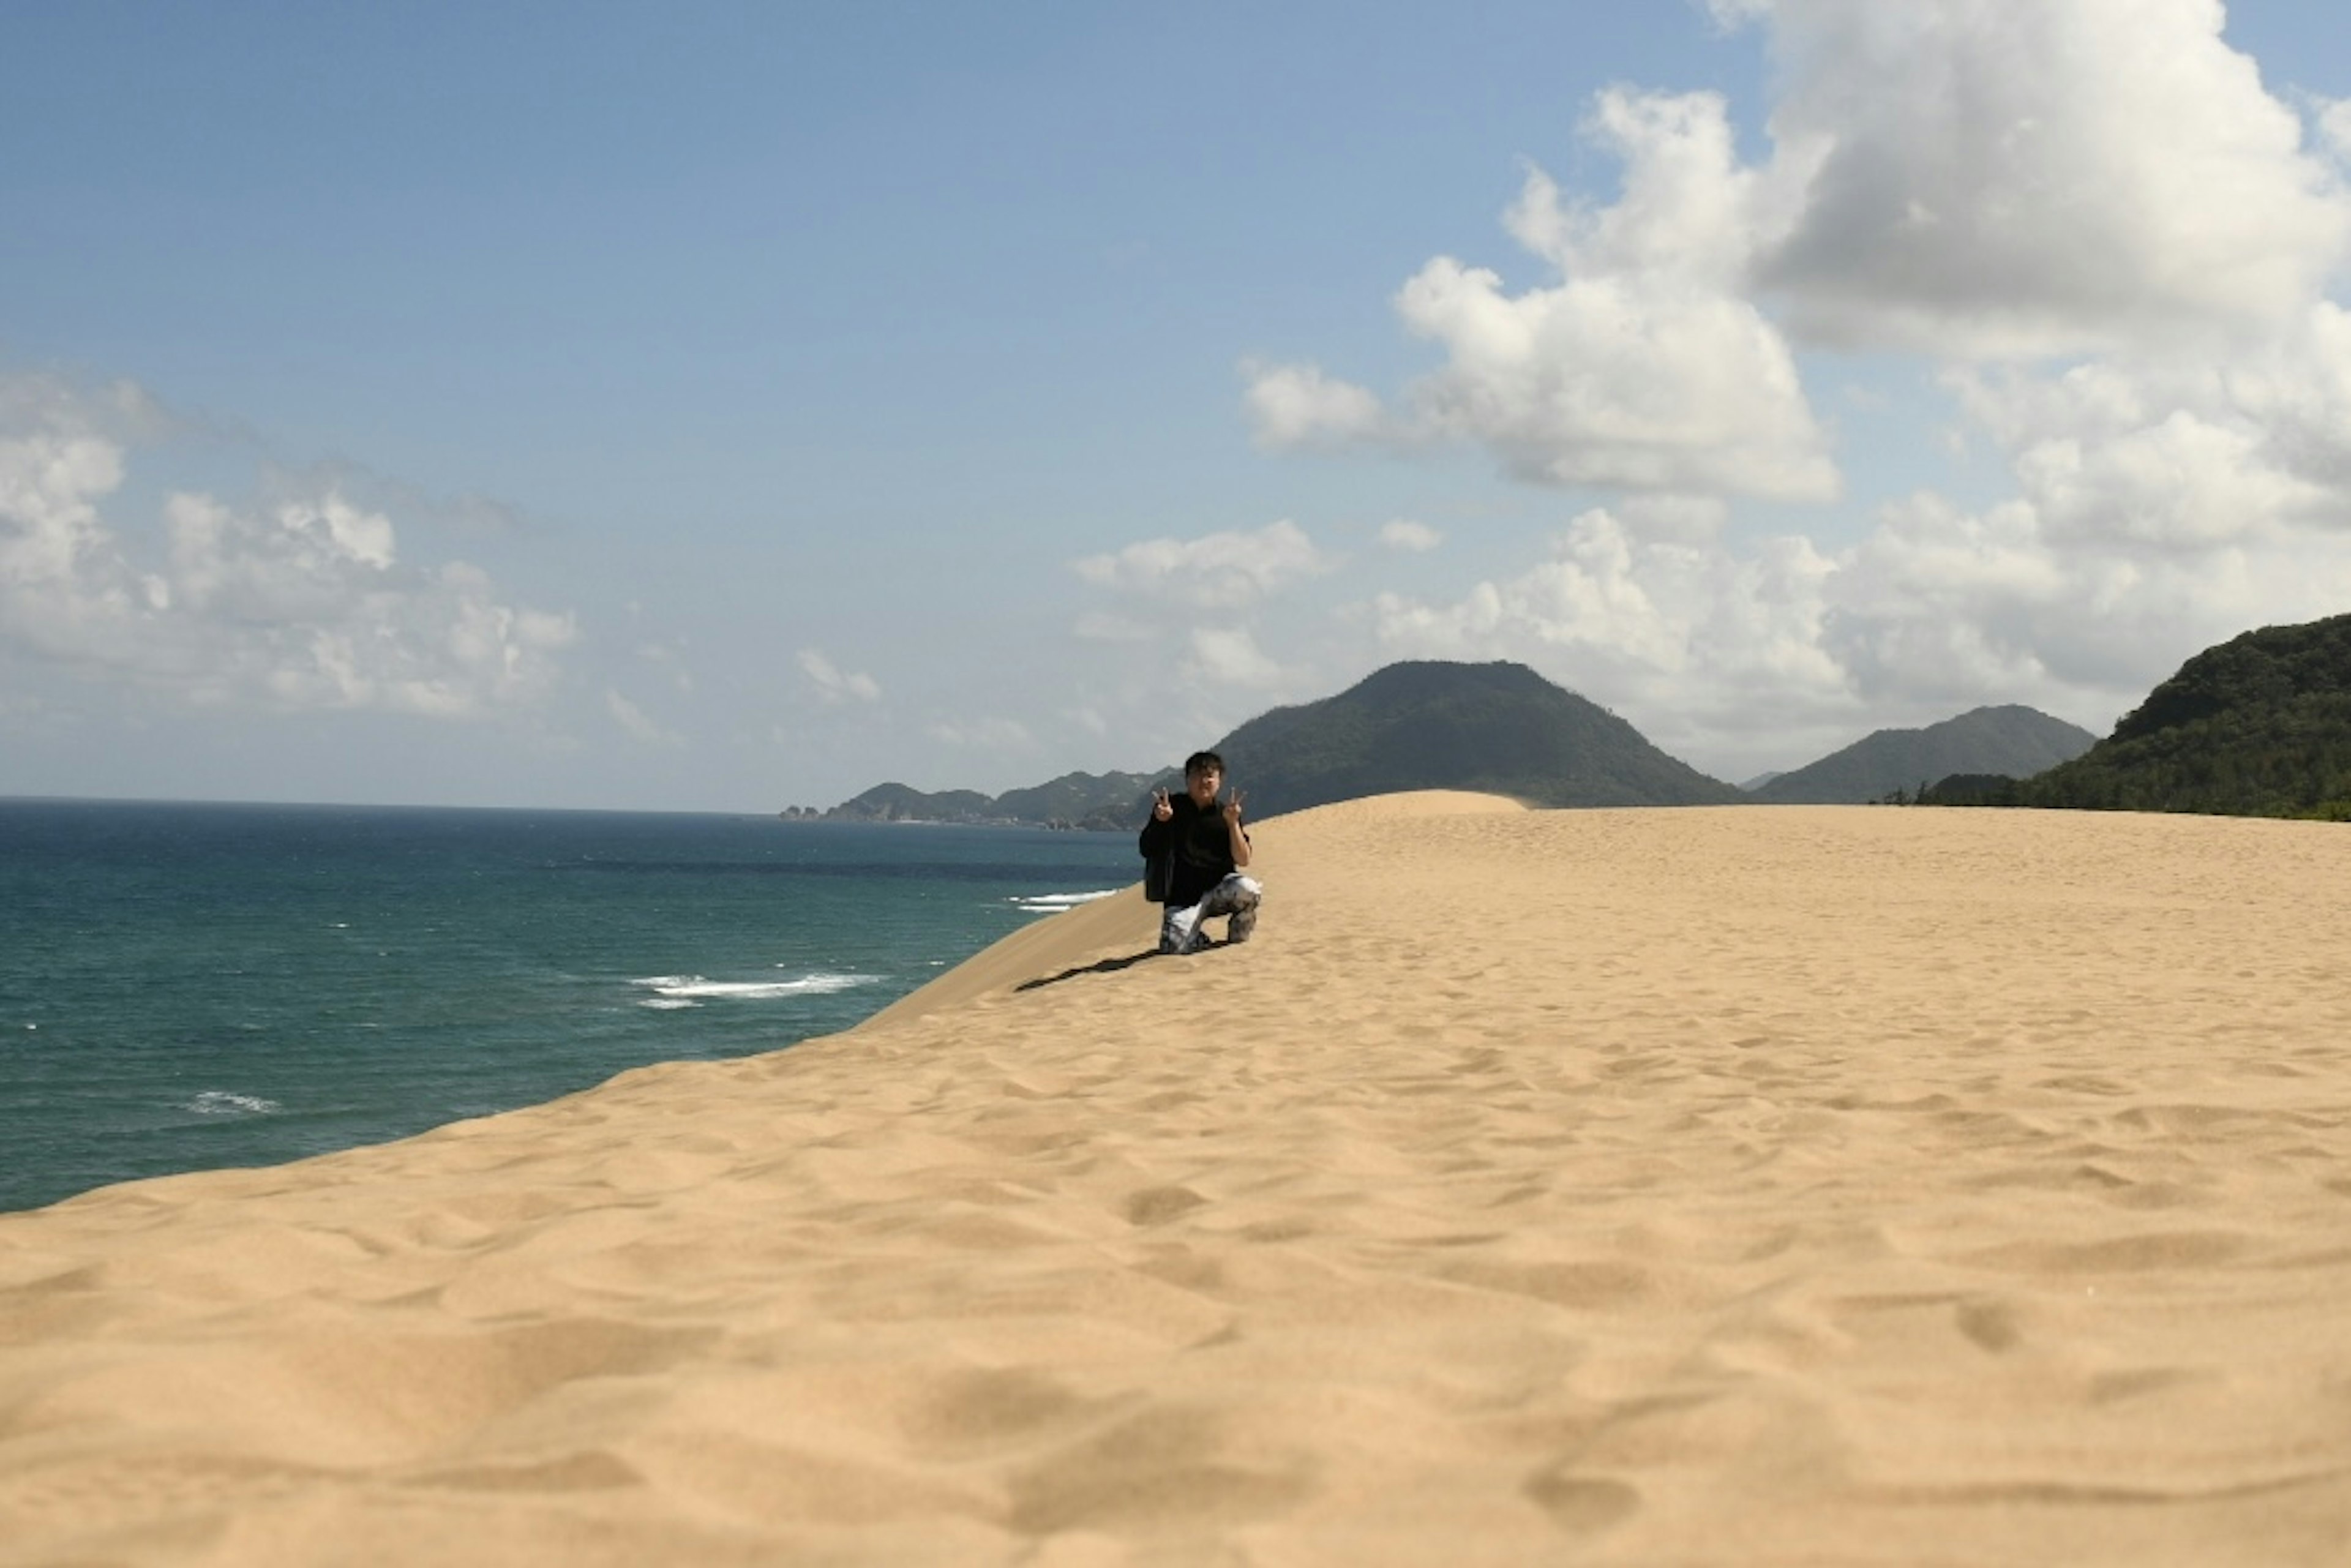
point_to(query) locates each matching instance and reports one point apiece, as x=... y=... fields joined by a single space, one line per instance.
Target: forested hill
x=1499 y=729
x=2012 y=740
x=2259 y=726
x=1073 y=801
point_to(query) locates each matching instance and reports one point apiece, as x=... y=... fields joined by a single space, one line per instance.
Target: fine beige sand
x=1807 y=1185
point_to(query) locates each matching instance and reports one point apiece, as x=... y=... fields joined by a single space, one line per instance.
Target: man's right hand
x=1161 y=809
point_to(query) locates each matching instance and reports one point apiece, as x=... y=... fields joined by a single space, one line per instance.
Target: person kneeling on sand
x=1194 y=849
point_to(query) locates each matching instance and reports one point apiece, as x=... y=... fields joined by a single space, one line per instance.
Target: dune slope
x=1810 y=1185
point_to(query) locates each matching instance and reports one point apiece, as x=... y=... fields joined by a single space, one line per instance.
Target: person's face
x=1202 y=786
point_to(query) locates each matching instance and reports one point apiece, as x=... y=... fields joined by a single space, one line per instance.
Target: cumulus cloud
x=1189 y=605
x=1412 y=537
x=2020 y=180
x=1768 y=654
x=1101 y=626
x=2334 y=117
x=1218 y=571
x=832 y=684
x=364 y=487
x=1293 y=406
x=1967 y=180
x=1676 y=519
x=1940 y=602
x=999 y=735
x=636 y=723
x=2104 y=240
x=300 y=602
x=2179 y=452
x=1229 y=656
x=1635 y=614
x=1645 y=367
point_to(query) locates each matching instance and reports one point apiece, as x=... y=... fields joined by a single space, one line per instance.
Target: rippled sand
x=1754 y=1185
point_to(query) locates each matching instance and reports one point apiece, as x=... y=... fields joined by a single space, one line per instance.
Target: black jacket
x=1187 y=854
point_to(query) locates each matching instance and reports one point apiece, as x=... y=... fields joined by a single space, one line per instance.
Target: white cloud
x=1637 y=614
x=1706 y=651
x=1948 y=176
x=1412 y=537
x=2033 y=179
x=1941 y=603
x=465 y=514
x=1643 y=367
x=1229 y=656
x=1179 y=653
x=2177 y=450
x=2112 y=243
x=1000 y=735
x=1772 y=653
x=634 y=721
x=669 y=659
x=1099 y=626
x=1293 y=406
x=300 y=603
x=2334 y=117
x=832 y=684
x=1220 y=570
x=122 y=411
x=1674 y=519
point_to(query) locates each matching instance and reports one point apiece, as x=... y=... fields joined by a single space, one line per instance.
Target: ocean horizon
x=188 y=986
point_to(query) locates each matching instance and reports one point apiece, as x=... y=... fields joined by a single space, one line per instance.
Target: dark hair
x=1199 y=761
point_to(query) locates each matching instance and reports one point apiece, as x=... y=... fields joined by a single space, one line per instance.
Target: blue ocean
x=190 y=987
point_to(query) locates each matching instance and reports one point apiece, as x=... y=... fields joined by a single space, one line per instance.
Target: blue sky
x=732 y=406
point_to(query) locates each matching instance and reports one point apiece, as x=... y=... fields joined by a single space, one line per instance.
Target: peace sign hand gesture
x=1160 y=808
x=1233 y=808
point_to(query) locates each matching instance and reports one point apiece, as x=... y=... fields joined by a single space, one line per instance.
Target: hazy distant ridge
x=1499 y=729
x=1073 y=801
x=2260 y=726
x=1496 y=727
x=2012 y=740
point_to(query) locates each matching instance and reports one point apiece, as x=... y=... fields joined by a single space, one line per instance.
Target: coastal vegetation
x=2258 y=726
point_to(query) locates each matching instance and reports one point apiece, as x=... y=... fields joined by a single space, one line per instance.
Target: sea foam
x=689 y=990
x=221 y=1103
x=1054 y=902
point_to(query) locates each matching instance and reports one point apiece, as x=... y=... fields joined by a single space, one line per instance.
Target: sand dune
x=1796 y=1184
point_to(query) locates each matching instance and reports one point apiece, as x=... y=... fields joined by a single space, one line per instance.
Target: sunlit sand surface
x=1796 y=1184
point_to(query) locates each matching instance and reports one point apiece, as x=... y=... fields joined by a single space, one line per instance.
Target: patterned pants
x=1237 y=895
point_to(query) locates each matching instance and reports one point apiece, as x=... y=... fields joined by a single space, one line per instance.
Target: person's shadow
x=1104 y=967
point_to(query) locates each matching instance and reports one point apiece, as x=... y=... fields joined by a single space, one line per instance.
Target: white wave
x=1054 y=902
x=690 y=988
x=221 y=1103
x=668 y=1004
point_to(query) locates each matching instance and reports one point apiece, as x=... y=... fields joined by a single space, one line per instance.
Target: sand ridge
x=1730 y=1184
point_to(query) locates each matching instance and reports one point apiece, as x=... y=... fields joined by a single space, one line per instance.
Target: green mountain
x=2011 y=740
x=896 y=802
x=1073 y=801
x=2258 y=726
x=1499 y=727
x=1080 y=800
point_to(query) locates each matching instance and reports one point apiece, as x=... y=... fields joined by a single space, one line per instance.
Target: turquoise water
x=187 y=987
